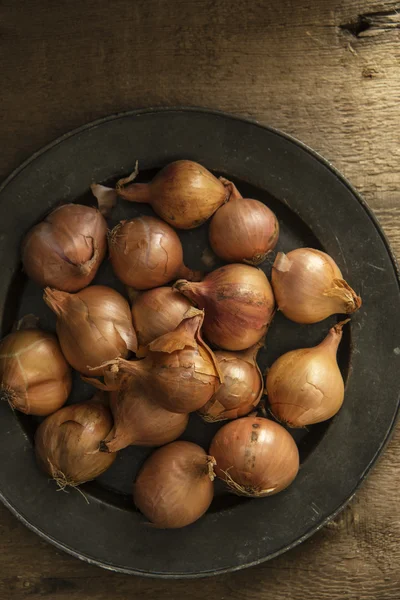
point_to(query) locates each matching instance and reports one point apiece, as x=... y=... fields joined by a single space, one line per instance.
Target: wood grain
x=326 y=71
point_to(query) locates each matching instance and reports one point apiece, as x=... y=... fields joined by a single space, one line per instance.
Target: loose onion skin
x=243 y=230
x=156 y=312
x=180 y=369
x=242 y=387
x=256 y=457
x=305 y=386
x=146 y=253
x=93 y=326
x=238 y=303
x=184 y=194
x=138 y=418
x=67 y=443
x=174 y=487
x=106 y=198
x=35 y=377
x=309 y=287
x=66 y=249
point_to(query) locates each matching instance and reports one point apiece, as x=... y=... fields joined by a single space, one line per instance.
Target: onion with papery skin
x=183 y=193
x=93 y=326
x=147 y=253
x=156 y=312
x=67 y=443
x=255 y=457
x=175 y=487
x=180 y=369
x=138 y=418
x=305 y=386
x=35 y=377
x=238 y=303
x=309 y=286
x=66 y=249
x=243 y=230
x=141 y=421
x=242 y=387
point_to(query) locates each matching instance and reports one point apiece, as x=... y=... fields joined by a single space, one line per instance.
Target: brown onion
x=184 y=193
x=243 y=230
x=255 y=456
x=180 y=369
x=138 y=418
x=238 y=303
x=309 y=286
x=93 y=326
x=147 y=253
x=67 y=443
x=66 y=249
x=242 y=387
x=305 y=386
x=156 y=312
x=174 y=487
x=35 y=377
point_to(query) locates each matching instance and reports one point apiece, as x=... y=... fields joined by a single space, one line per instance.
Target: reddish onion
x=238 y=303
x=180 y=369
x=138 y=418
x=35 y=377
x=242 y=387
x=305 y=386
x=174 y=487
x=147 y=253
x=255 y=456
x=184 y=194
x=67 y=443
x=156 y=312
x=66 y=249
x=93 y=326
x=309 y=286
x=243 y=230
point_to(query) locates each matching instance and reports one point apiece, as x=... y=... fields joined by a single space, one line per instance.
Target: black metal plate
x=316 y=207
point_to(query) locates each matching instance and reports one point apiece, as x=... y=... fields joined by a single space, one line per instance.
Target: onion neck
x=132 y=368
x=117 y=373
x=232 y=191
x=184 y=336
x=56 y=300
x=135 y=192
x=188 y=289
x=205 y=468
x=114 y=441
x=186 y=273
x=106 y=386
x=332 y=340
x=341 y=292
x=211 y=462
x=87 y=267
x=250 y=355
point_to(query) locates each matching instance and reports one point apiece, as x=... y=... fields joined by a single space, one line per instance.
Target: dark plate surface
x=315 y=207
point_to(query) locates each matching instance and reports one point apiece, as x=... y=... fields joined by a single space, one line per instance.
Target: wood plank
x=328 y=72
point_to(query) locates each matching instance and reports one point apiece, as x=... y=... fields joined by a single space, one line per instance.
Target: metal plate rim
x=372 y=217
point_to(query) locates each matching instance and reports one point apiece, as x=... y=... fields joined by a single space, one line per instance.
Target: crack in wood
x=373 y=23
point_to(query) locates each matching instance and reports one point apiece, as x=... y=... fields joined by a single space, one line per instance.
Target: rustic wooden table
x=326 y=71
